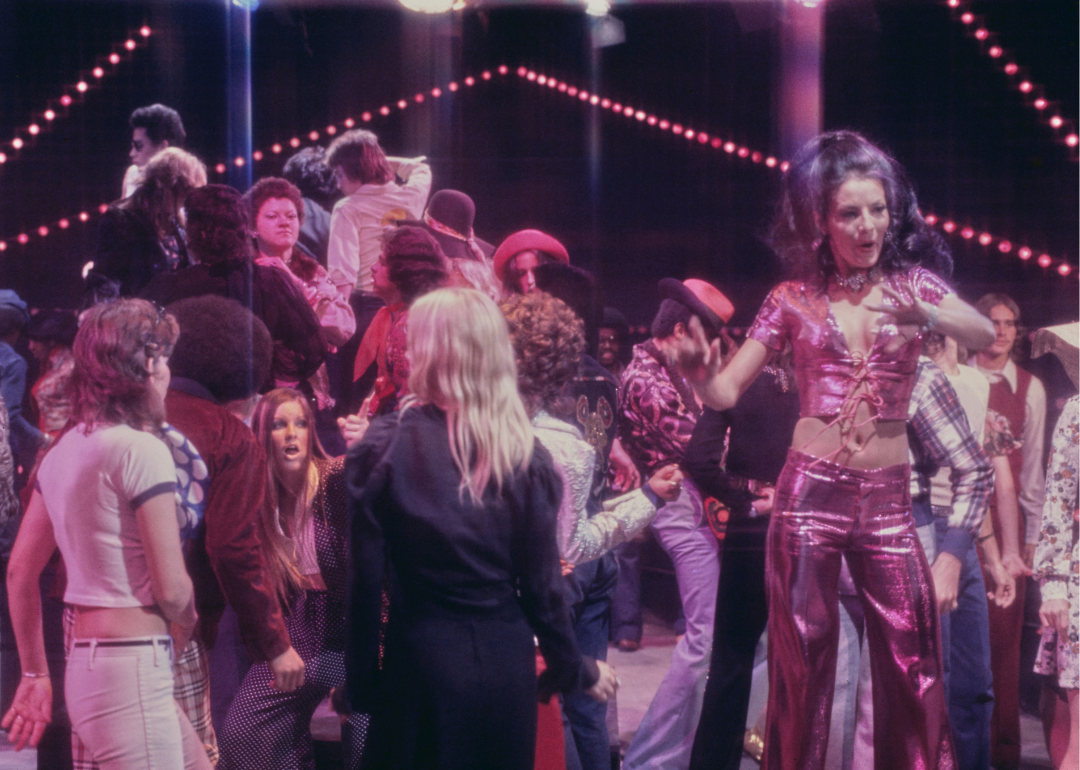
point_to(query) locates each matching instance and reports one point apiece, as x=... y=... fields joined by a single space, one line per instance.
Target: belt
x=125 y=643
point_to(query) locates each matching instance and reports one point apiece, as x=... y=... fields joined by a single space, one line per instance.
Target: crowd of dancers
x=409 y=470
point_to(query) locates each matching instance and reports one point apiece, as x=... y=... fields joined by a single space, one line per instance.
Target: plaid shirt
x=940 y=437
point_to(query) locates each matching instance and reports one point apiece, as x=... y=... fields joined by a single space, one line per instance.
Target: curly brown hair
x=217 y=224
x=113 y=350
x=548 y=342
x=415 y=262
x=272 y=187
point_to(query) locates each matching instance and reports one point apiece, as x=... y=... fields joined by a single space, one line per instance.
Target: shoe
x=628 y=645
x=754 y=744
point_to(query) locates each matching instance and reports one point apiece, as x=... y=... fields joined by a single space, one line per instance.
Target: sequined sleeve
x=927 y=286
x=770 y=328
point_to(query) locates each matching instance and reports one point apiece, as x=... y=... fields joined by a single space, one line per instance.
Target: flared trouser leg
x=824 y=511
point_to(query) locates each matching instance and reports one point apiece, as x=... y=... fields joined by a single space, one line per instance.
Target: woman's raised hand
x=355 y=426
x=700 y=362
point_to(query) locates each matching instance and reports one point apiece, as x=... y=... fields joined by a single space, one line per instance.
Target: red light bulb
x=220 y=168
x=1004 y=247
x=949 y=226
x=65 y=100
x=1024 y=253
x=257 y=155
x=98 y=72
x=314 y=136
x=276 y=148
x=34 y=129
x=81 y=86
x=129 y=44
x=50 y=115
x=1045 y=261
x=144 y=31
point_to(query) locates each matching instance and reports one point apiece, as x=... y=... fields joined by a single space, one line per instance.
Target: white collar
x=1007 y=373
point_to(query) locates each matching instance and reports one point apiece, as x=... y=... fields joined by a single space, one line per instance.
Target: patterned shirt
x=657 y=411
x=1056 y=557
x=940 y=437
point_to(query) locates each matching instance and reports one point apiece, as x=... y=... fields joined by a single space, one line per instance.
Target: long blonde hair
x=463 y=362
x=278 y=550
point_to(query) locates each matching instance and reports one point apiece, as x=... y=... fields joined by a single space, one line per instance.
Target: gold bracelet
x=35 y=675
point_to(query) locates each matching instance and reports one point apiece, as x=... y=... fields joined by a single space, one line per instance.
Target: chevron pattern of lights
x=1064 y=128
x=694 y=137
x=57 y=108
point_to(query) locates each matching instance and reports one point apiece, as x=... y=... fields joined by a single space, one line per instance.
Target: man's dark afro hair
x=223 y=346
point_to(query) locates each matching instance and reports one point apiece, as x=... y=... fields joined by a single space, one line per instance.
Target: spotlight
x=597 y=7
x=428 y=6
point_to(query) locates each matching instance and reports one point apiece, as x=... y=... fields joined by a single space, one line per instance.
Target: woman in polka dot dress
x=303 y=531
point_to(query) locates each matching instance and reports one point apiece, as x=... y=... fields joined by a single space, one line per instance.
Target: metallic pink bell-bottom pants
x=824 y=511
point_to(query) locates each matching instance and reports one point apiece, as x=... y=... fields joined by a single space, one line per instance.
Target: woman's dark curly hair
x=271 y=187
x=816 y=173
x=217 y=227
x=415 y=262
x=548 y=341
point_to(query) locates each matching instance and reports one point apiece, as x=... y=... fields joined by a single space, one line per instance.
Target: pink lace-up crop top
x=828 y=372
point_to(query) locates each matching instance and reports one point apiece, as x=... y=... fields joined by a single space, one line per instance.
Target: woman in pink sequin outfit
x=855 y=316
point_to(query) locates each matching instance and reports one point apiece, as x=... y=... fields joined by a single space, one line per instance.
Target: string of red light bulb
x=1034 y=95
x=694 y=136
x=56 y=108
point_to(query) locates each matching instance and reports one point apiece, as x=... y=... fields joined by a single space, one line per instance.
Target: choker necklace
x=855 y=282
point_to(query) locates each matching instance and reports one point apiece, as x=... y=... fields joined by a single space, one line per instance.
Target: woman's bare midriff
x=119 y=622
x=878 y=444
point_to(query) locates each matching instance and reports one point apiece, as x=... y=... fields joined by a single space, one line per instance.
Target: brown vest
x=1012 y=406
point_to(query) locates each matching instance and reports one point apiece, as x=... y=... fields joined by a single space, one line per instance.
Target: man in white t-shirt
x=379 y=192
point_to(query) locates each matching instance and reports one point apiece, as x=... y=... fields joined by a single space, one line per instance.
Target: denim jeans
x=589 y=588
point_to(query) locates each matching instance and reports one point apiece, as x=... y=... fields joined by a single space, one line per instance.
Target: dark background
x=902 y=71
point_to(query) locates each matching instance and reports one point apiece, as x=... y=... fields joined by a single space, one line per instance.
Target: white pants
x=120 y=699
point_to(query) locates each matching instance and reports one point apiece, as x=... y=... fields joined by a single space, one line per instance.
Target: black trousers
x=741 y=616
